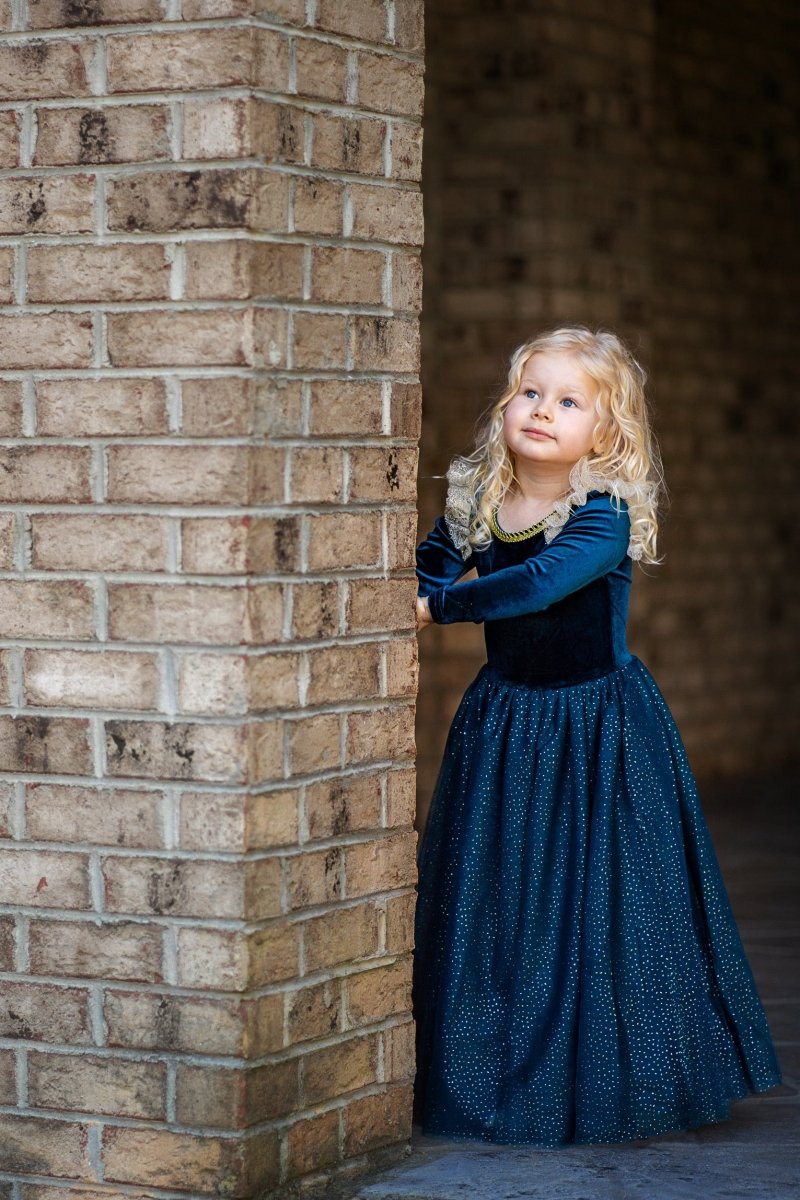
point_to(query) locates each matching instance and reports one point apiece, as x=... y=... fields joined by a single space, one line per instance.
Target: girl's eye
x=570 y=400
x=529 y=390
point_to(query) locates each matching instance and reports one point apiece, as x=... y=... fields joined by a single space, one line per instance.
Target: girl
x=578 y=972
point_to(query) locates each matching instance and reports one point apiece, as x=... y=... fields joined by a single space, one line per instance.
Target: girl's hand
x=423 y=613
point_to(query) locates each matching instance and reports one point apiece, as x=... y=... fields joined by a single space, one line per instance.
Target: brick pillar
x=210 y=221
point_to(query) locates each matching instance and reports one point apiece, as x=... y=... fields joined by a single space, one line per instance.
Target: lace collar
x=458 y=507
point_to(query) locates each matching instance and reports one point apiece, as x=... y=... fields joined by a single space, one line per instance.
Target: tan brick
x=209 y=337
x=264 y=611
x=344 y=276
x=124 y=950
x=340 y=1069
x=344 y=805
x=177 y=474
x=266 y=474
x=59 y=1148
x=153 y=1021
x=274 y=544
x=319 y=340
x=213 y=1098
x=166 y=1159
x=387 y=214
x=104 y=543
x=45 y=474
x=340 y=407
x=266 y=750
x=181 y=61
x=365 y=20
x=278 y=132
x=316 y=1011
x=318 y=206
x=313 y=1143
x=5 y=698
x=218 y=954
x=216 y=545
x=342 y=935
x=99 y=815
x=10 y=408
x=381 y=733
x=406 y=410
x=50 y=14
x=40 y=609
x=349 y=671
x=272 y=681
x=401 y=800
x=401 y=534
x=406 y=153
x=344 y=539
x=10 y=130
x=406 y=287
x=126 y=272
x=85 y=679
x=314 y=743
x=46 y=204
x=317 y=475
x=385 y=343
x=314 y=877
x=182 y=888
x=213 y=821
x=44 y=340
x=7 y=528
x=399 y=1053
x=402 y=667
x=97 y=1085
x=38 y=878
x=379 y=992
x=218 y=270
x=321 y=69
x=175 y=750
x=273 y=819
x=378 y=1120
x=38 y=69
x=6 y=275
x=45 y=1013
x=381 y=865
x=389 y=84
x=276 y=270
x=212 y=683
x=217 y=128
x=409 y=25
x=108 y=134
x=99 y=407
x=163 y=201
x=348 y=144
x=200 y=10
x=218 y=407
x=180 y=613
x=383 y=474
x=270 y=202
x=60 y=745
x=381 y=604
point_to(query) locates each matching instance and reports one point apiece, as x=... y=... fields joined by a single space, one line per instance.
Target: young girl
x=578 y=972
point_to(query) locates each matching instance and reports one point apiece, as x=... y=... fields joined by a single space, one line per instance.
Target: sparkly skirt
x=578 y=973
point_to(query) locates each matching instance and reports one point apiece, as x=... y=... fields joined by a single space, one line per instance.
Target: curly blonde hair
x=625 y=460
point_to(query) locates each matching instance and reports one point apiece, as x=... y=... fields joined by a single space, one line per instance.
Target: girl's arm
x=439 y=560
x=591 y=543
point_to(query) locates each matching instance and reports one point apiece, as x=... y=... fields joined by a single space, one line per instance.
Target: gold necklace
x=522 y=533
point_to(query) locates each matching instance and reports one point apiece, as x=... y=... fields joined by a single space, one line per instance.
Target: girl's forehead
x=560 y=363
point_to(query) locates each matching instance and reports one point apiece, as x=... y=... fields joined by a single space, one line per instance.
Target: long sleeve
x=592 y=542
x=439 y=560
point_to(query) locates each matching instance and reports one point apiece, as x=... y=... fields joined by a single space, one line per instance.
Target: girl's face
x=557 y=397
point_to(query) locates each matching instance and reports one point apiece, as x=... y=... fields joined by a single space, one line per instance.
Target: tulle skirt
x=578 y=972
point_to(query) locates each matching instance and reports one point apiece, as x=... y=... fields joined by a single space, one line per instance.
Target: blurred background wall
x=632 y=165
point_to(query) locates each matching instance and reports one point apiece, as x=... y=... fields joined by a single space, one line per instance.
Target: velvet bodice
x=553 y=613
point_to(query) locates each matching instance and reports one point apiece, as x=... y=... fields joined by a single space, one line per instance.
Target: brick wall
x=210 y=221
x=634 y=166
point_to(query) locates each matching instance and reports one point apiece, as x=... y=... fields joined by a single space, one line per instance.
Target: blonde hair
x=625 y=460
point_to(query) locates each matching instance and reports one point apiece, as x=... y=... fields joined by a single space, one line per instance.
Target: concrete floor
x=755 y=1154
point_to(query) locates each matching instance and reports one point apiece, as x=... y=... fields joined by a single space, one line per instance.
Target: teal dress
x=578 y=972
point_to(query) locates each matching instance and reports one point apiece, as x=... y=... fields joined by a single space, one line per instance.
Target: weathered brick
x=40 y=69
x=110 y=1085
x=10 y=130
x=339 y=1069
x=350 y=671
x=45 y=204
x=165 y=1158
x=182 y=888
x=125 y=950
x=345 y=934
x=314 y=877
x=321 y=69
x=217 y=128
x=381 y=865
x=218 y=407
x=381 y=1119
x=82 y=679
x=211 y=337
x=389 y=84
x=59 y=1148
x=344 y=805
x=107 y=134
x=313 y=1143
x=383 y=474
x=345 y=276
x=177 y=613
x=180 y=61
x=212 y=683
x=340 y=407
x=384 y=604
x=100 y=407
x=378 y=992
x=98 y=543
x=178 y=474
x=161 y=201
x=41 y=609
x=43 y=340
x=316 y=1011
x=45 y=1013
x=344 y=537
x=127 y=272
x=348 y=144
x=365 y=20
x=387 y=214
x=41 y=878
x=318 y=206
x=45 y=474
x=116 y=817
x=10 y=408
x=7 y=535
x=381 y=733
x=50 y=14
x=41 y=744
x=191 y=1024
x=175 y=750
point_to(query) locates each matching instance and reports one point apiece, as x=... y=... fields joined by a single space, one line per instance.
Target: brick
x=274 y=545
x=273 y=819
x=37 y=878
x=344 y=406
x=80 y=679
x=210 y=337
x=381 y=865
x=339 y=1069
x=10 y=408
x=52 y=14
x=163 y=201
x=6 y=275
x=7 y=533
x=10 y=129
x=175 y=750
x=98 y=815
x=126 y=272
x=342 y=935
x=119 y=1087
x=109 y=134
x=45 y=474
x=215 y=545
x=402 y=667
x=382 y=1119
x=406 y=152
x=377 y=993
x=401 y=535
x=217 y=128
x=313 y=1143
x=314 y=877
x=406 y=410
x=383 y=474
x=47 y=205
x=212 y=821
x=315 y=610
x=315 y=1012
x=399 y=1053
x=56 y=744
x=218 y=407
x=45 y=340
x=98 y=543
x=365 y=20
x=314 y=743
x=350 y=671
x=167 y=1159
x=389 y=84
x=180 y=61
x=344 y=538
x=272 y=681
x=39 y=69
x=213 y=1098
x=177 y=474
x=182 y=888
x=100 y=407
x=317 y=475
x=321 y=69
x=163 y=1021
x=266 y=750
x=39 y=609
x=381 y=733
x=200 y=10
x=45 y=1013
x=345 y=805
x=124 y=950
x=212 y=683
x=319 y=340
x=58 y=1148
x=381 y=604
x=387 y=214
x=264 y=613
x=344 y=276
x=278 y=132
x=348 y=144
x=318 y=206
x=406 y=288
x=180 y=613
x=401 y=800
x=409 y=25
